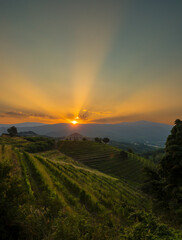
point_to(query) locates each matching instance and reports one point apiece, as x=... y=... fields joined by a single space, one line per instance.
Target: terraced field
x=53 y=180
x=107 y=159
x=48 y=195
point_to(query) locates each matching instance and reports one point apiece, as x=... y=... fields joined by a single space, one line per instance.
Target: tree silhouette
x=130 y=150
x=106 y=140
x=171 y=166
x=12 y=131
x=177 y=121
x=165 y=184
x=99 y=140
x=123 y=154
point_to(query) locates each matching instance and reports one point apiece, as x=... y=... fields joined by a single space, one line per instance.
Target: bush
x=39 y=144
x=123 y=155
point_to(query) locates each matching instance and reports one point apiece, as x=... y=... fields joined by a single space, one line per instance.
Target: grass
x=82 y=192
x=68 y=200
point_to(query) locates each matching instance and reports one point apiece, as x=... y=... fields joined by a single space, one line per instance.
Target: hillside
x=107 y=159
x=49 y=195
x=56 y=198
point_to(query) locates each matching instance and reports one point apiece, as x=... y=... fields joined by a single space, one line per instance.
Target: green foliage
x=55 y=198
x=36 y=139
x=39 y=144
x=171 y=169
x=106 y=140
x=107 y=159
x=12 y=196
x=166 y=183
x=130 y=150
x=123 y=155
x=156 y=156
x=98 y=140
x=25 y=174
x=148 y=228
x=12 y=131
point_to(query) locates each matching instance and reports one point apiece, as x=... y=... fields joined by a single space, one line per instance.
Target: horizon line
x=88 y=123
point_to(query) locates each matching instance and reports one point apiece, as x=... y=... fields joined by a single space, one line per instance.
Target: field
x=49 y=195
x=107 y=159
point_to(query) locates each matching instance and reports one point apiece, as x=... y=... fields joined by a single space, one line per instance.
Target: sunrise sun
x=74 y=122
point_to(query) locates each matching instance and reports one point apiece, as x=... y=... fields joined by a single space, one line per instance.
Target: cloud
x=70 y=115
x=16 y=114
x=117 y=119
x=101 y=113
x=83 y=114
x=87 y=115
x=165 y=116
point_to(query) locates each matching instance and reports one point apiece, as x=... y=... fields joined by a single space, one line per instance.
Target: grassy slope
x=85 y=203
x=107 y=159
x=78 y=190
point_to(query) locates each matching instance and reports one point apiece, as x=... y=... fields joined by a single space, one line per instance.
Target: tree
x=106 y=140
x=177 y=121
x=166 y=183
x=12 y=131
x=130 y=150
x=99 y=140
x=171 y=166
x=123 y=154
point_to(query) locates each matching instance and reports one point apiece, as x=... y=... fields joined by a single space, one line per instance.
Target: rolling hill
x=49 y=195
x=144 y=132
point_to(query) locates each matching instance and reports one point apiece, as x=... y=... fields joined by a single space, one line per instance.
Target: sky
x=99 y=61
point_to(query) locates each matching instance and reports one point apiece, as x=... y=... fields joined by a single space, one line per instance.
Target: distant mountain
x=150 y=133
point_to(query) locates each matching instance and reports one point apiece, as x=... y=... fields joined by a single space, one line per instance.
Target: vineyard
x=54 y=197
x=107 y=159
